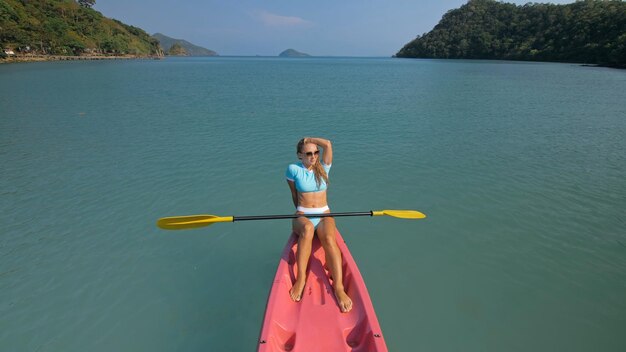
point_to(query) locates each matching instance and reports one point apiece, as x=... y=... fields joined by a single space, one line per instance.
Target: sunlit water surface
x=520 y=167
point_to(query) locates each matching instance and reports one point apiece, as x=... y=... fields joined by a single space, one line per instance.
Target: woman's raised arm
x=326 y=145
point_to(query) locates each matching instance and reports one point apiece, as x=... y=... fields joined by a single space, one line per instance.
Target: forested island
x=589 y=31
x=292 y=53
x=68 y=28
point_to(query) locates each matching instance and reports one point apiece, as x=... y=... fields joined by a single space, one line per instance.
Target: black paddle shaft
x=294 y=216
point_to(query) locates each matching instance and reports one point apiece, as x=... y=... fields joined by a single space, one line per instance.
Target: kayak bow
x=316 y=322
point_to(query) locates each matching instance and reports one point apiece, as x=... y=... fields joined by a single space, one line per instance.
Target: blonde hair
x=318 y=169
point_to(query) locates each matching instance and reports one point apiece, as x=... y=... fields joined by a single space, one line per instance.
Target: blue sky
x=318 y=27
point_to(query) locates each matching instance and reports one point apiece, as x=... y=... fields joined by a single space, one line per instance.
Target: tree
x=86 y=3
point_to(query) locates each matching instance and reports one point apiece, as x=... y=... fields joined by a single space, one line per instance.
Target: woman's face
x=309 y=154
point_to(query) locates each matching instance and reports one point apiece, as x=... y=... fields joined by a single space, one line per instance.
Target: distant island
x=62 y=29
x=590 y=31
x=180 y=47
x=293 y=53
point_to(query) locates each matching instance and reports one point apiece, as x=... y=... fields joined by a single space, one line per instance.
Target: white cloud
x=274 y=20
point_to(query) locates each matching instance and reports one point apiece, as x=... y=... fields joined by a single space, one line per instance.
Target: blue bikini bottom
x=315 y=221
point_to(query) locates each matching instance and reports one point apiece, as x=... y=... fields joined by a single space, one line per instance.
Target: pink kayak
x=316 y=322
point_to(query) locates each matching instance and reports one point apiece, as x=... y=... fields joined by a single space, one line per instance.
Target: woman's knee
x=326 y=232
x=305 y=229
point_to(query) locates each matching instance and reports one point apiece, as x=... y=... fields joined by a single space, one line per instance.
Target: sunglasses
x=310 y=154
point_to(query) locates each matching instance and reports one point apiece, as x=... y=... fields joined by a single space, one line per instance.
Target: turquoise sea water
x=520 y=167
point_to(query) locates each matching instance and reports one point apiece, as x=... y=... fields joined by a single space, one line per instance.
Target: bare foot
x=297 y=289
x=345 y=303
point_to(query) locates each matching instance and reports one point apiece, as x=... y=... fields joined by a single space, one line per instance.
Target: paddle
x=193 y=221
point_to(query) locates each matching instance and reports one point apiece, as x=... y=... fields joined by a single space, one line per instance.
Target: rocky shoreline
x=41 y=58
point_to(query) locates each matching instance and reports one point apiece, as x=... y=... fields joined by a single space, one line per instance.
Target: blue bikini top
x=304 y=178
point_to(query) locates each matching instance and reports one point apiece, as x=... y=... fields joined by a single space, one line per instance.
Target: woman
x=308 y=180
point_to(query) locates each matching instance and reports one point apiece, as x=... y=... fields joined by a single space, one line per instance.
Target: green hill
x=189 y=49
x=63 y=27
x=177 y=50
x=590 y=31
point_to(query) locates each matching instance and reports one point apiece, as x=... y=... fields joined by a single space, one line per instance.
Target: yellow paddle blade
x=402 y=214
x=191 y=221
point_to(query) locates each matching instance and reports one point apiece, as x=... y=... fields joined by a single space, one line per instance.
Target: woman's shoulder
x=293 y=170
x=295 y=165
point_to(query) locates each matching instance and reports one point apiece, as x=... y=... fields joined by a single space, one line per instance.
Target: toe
x=347 y=306
x=295 y=294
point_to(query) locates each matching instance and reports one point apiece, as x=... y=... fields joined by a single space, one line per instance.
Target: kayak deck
x=316 y=322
